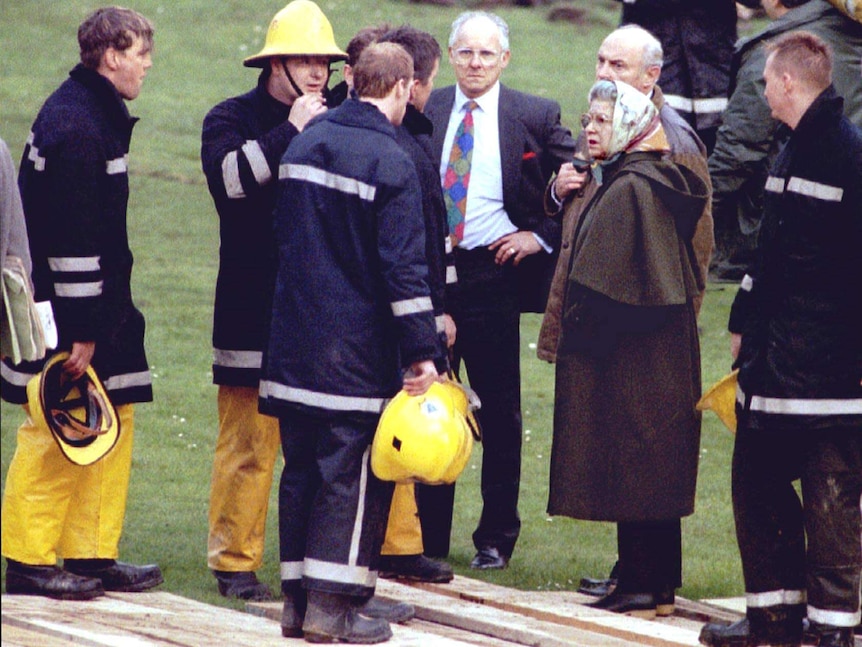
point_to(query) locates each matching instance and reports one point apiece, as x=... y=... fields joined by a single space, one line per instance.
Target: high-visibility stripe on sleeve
x=451 y=275
x=699 y=106
x=78 y=290
x=33 y=154
x=774 y=184
x=322 y=177
x=816 y=190
x=747 y=283
x=412 y=306
x=440 y=323
x=118 y=166
x=74 y=263
x=237 y=358
x=257 y=162
x=128 y=380
x=230 y=176
x=328 y=401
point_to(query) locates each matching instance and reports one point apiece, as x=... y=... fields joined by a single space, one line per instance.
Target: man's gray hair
x=652 y=52
x=465 y=17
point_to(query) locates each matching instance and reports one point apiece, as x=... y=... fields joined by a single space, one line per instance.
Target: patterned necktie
x=457 y=176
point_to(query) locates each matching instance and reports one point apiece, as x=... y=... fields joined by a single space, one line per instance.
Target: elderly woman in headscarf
x=626 y=432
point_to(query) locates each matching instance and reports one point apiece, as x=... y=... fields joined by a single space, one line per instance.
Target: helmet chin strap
x=289 y=76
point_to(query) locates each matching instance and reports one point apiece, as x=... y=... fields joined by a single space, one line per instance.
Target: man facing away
x=75 y=188
x=352 y=323
x=795 y=326
x=505 y=250
x=242 y=143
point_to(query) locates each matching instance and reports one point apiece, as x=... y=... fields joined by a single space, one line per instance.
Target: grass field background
x=173 y=231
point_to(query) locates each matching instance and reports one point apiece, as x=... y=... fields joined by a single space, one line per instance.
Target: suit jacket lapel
x=438 y=109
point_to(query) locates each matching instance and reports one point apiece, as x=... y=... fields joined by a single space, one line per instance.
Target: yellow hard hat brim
x=721 y=399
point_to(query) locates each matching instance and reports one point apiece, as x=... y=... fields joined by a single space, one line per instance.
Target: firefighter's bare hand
x=79 y=358
x=305 y=108
x=419 y=377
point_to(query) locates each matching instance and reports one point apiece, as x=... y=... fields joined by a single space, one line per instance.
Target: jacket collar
x=105 y=92
x=360 y=114
x=827 y=108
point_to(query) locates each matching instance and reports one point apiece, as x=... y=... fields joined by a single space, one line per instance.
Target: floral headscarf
x=636 y=125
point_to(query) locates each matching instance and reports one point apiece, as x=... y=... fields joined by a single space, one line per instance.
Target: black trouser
x=485 y=310
x=650 y=556
x=772 y=524
x=332 y=509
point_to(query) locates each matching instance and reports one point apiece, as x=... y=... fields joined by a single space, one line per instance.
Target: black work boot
x=243 y=585
x=716 y=634
x=830 y=636
x=333 y=617
x=117 y=576
x=375 y=607
x=417 y=568
x=51 y=582
x=293 y=611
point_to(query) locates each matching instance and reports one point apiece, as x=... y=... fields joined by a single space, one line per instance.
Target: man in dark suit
x=505 y=250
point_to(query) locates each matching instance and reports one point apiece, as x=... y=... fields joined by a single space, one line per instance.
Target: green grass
x=173 y=230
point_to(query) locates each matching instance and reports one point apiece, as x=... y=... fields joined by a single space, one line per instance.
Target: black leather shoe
x=117 y=576
x=488 y=558
x=638 y=605
x=714 y=634
x=665 y=603
x=399 y=612
x=243 y=585
x=51 y=582
x=417 y=568
x=597 y=587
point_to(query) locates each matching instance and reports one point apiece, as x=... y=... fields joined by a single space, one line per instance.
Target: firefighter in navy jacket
x=351 y=311
x=799 y=401
x=75 y=187
x=243 y=141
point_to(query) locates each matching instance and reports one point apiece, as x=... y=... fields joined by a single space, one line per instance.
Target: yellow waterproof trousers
x=248 y=444
x=404 y=532
x=53 y=508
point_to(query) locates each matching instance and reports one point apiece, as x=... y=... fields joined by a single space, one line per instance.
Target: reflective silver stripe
x=440 y=322
x=774 y=598
x=75 y=290
x=747 y=283
x=321 y=400
x=816 y=190
x=257 y=162
x=697 y=106
x=291 y=570
x=412 y=306
x=834 y=618
x=356 y=536
x=15 y=377
x=118 y=166
x=230 y=176
x=448 y=244
x=237 y=358
x=344 y=573
x=33 y=154
x=451 y=275
x=128 y=380
x=774 y=184
x=74 y=263
x=330 y=180
x=806 y=406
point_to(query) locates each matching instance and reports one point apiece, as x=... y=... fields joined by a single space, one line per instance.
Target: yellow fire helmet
x=78 y=413
x=721 y=398
x=421 y=438
x=300 y=29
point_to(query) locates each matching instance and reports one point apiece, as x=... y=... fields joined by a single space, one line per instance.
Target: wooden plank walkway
x=463 y=613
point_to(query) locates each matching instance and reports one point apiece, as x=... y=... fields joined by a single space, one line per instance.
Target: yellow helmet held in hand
x=78 y=413
x=300 y=29
x=421 y=438
x=721 y=398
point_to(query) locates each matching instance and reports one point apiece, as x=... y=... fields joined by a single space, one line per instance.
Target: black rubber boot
x=333 y=617
x=293 y=612
x=390 y=611
x=242 y=585
x=834 y=636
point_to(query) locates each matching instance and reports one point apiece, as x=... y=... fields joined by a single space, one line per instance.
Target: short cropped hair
x=804 y=54
x=421 y=45
x=363 y=38
x=379 y=68
x=467 y=16
x=111 y=27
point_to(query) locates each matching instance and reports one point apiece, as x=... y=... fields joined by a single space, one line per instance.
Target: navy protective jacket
x=352 y=305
